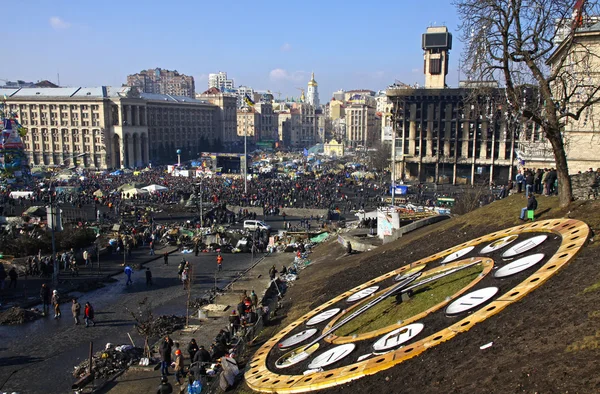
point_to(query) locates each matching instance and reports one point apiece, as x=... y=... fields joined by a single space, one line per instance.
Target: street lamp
x=245 y=109
x=178 y=157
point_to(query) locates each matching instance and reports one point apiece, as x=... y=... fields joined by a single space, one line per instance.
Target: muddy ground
x=547 y=343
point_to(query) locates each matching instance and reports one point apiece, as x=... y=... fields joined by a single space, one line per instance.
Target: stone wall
x=585 y=186
x=296 y=212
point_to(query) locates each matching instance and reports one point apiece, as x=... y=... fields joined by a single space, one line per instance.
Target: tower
x=313 y=92
x=437 y=42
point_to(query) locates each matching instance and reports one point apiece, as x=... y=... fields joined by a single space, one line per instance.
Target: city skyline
x=271 y=46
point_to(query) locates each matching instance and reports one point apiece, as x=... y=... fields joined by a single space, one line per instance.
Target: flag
x=248 y=101
x=305 y=151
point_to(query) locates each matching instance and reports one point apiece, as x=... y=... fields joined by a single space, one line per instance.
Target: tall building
x=220 y=81
x=449 y=135
x=437 y=42
x=161 y=81
x=312 y=94
x=106 y=127
x=227 y=104
x=362 y=125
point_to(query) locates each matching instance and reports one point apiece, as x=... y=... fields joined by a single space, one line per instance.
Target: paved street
x=46 y=350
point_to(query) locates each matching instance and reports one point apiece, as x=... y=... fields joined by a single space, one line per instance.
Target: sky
x=268 y=45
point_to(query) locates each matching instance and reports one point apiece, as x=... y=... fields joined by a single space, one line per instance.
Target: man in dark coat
x=165 y=354
x=202 y=355
x=531 y=206
x=45 y=298
x=12 y=274
x=165 y=387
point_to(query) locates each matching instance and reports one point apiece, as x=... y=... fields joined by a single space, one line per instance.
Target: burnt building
x=450 y=135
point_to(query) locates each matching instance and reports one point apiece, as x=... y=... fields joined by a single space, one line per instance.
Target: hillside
x=545 y=343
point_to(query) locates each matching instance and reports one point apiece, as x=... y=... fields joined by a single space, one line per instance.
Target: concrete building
x=248 y=123
x=107 y=127
x=437 y=42
x=333 y=148
x=449 y=134
x=268 y=122
x=362 y=125
x=220 y=81
x=384 y=111
x=227 y=104
x=339 y=95
x=161 y=81
x=243 y=91
x=312 y=93
x=583 y=70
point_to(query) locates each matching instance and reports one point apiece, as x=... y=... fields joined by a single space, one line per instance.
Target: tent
x=128 y=186
x=134 y=191
x=98 y=193
x=155 y=188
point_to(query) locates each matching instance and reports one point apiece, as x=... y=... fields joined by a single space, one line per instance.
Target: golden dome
x=312 y=81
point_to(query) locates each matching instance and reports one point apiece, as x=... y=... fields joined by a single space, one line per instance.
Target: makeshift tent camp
x=128 y=186
x=155 y=188
x=134 y=192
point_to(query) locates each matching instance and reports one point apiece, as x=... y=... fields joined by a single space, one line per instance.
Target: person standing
x=56 y=304
x=12 y=274
x=166 y=258
x=148 y=277
x=520 y=179
x=164 y=387
x=178 y=366
x=86 y=257
x=219 y=262
x=88 y=314
x=192 y=349
x=151 y=248
x=128 y=272
x=76 y=310
x=45 y=298
x=165 y=355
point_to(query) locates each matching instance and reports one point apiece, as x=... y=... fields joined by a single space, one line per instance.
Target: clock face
x=396 y=316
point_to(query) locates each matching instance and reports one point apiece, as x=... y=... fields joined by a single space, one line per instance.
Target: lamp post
x=178 y=157
x=245 y=109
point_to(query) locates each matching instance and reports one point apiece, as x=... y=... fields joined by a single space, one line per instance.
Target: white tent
x=133 y=192
x=155 y=188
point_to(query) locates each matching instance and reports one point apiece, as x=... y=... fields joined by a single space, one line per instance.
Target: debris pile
x=164 y=325
x=110 y=361
x=16 y=315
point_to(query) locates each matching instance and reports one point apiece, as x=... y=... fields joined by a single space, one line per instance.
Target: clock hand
x=440 y=276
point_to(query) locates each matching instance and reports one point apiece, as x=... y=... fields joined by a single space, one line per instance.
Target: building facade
x=227 y=104
x=220 y=81
x=106 y=127
x=161 y=81
x=312 y=93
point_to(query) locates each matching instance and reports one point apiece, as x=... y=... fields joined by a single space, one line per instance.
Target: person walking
x=166 y=258
x=13 y=276
x=151 y=248
x=56 y=304
x=76 y=310
x=219 y=262
x=128 y=272
x=164 y=387
x=45 y=298
x=148 y=277
x=165 y=355
x=88 y=315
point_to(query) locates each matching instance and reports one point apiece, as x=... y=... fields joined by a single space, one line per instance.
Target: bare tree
x=535 y=46
x=379 y=158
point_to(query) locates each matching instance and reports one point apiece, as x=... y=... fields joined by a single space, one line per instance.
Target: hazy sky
x=264 y=44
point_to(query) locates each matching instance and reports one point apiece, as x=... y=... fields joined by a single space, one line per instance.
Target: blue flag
x=305 y=152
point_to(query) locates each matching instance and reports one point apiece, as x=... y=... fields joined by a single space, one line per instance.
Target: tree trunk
x=565 y=191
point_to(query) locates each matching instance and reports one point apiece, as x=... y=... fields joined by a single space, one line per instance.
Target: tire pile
x=164 y=325
x=585 y=186
x=108 y=362
x=16 y=315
